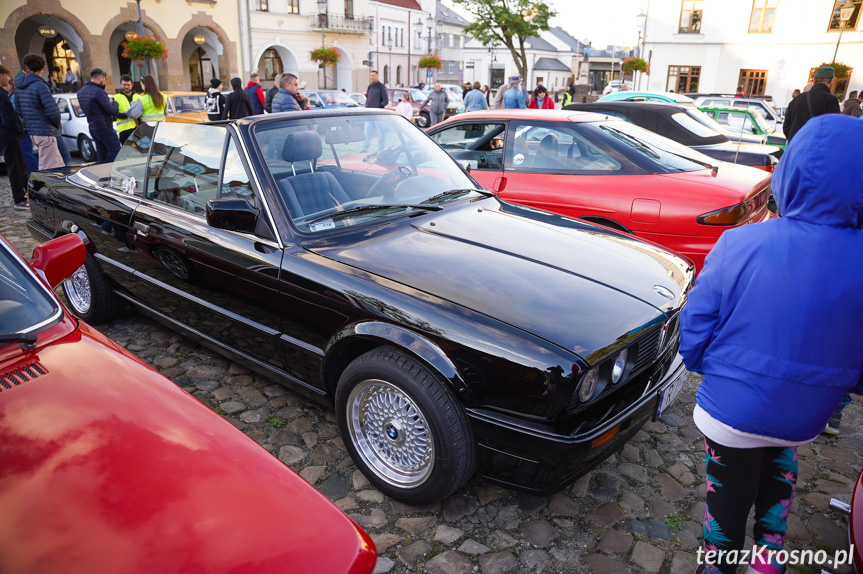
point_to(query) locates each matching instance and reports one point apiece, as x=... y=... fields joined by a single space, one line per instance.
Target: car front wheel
x=404 y=428
x=423 y=121
x=90 y=295
x=86 y=148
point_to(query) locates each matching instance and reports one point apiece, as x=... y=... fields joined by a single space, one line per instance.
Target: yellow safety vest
x=151 y=112
x=124 y=105
x=567 y=99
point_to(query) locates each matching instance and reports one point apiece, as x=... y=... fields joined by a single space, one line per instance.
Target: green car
x=747 y=121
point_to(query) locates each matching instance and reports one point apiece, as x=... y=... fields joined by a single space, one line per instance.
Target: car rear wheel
x=90 y=295
x=423 y=121
x=86 y=148
x=404 y=428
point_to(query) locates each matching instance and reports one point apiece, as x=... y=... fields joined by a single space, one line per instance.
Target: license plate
x=671 y=392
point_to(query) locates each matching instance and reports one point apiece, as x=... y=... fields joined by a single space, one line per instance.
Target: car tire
x=86 y=148
x=424 y=120
x=404 y=428
x=90 y=295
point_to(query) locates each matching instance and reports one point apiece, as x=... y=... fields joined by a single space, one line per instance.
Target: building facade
x=766 y=46
x=451 y=41
x=200 y=35
x=283 y=33
x=398 y=40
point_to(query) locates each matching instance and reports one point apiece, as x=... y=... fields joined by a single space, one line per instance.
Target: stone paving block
x=562 y=505
x=604 y=565
x=531 y=504
x=606 y=515
x=487 y=493
x=631 y=501
x=797 y=532
x=696 y=513
x=669 y=487
x=535 y=560
x=359 y=480
x=615 y=542
x=654 y=427
x=206 y=386
x=252 y=397
x=581 y=486
x=284 y=436
x=689 y=433
x=501 y=540
x=652 y=458
x=457 y=507
x=347 y=503
x=255 y=416
x=687 y=540
x=605 y=485
x=841 y=455
x=471 y=546
x=449 y=562
x=385 y=541
x=291 y=454
x=660 y=509
x=335 y=486
x=648 y=556
x=683 y=563
x=447 y=534
x=413 y=552
x=539 y=532
x=829 y=532
x=640 y=436
x=416 y=525
x=371 y=495
x=634 y=471
x=631 y=452
x=672 y=420
x=232 y=407
x=498 y=563
x=383 y=565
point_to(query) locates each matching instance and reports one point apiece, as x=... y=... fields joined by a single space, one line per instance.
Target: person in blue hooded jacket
x=775 y=324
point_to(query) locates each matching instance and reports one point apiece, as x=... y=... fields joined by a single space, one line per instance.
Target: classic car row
x=452 y=330
x=110 y=467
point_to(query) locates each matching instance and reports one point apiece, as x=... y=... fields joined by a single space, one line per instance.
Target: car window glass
x=315 y=101
x=553 y=148
x=184 y=165
x=23 y=302
x=654 y=148
x=235 y=178
x=481 y=145
x=188 y=103
x=63 y=105
x=76 y=107
x=129 y=170
x=694 y=126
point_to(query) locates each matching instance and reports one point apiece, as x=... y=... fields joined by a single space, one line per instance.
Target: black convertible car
x=689 y=127
x=451 y=330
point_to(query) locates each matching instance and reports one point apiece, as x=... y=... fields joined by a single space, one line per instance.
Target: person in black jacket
x=817 y=101
x=237 y=104
x=214 y=101
x=271 y=93
x=11 y=132
x=377 y=96
x=101 y=112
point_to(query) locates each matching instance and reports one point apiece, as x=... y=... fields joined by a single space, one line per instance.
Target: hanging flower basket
x=842 y=71
x=325 y=56
x=431 y=62
x=631 y=65
x=147 y=48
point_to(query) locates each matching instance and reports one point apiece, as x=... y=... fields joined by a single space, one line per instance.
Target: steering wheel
x=386 y=186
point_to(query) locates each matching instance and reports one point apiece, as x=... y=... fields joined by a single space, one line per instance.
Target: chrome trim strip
x=183 y=327
x=302 y=345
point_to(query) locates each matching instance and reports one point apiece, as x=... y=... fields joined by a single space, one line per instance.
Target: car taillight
x=736 y=214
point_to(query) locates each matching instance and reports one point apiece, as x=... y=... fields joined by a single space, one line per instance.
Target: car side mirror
x=233 y=214
x=57 y=259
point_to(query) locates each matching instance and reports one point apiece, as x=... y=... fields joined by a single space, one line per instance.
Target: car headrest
x=302 y=146
x=345 y=135
x=549 y=143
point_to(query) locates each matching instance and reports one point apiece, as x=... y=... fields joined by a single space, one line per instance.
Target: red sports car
x=107 y=466
x=607 y=171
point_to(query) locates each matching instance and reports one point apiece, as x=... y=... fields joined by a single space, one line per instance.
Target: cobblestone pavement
x=640 y=511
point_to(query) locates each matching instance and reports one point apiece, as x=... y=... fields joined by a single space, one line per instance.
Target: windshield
x=189 y=103
x=25 y=305
x=657 y=149
x=760 y=121
x=417 y=95
x=335 y=172
x=335 y=98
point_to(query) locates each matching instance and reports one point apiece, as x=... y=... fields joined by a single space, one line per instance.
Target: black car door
x=223 y=285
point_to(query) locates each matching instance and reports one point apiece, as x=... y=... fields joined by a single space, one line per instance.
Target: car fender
x=403 y=339
x=66 y=226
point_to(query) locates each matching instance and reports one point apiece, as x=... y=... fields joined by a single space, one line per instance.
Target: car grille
x=648 y=349
x=22 y=373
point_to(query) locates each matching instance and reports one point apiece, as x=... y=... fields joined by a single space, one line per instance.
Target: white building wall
x=407 y=54
x=800 y=40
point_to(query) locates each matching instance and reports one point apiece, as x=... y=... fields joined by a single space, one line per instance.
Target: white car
x=773 y=118
x=614 y=86
x=76 y=132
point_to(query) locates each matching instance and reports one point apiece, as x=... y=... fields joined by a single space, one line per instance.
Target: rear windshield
x=668 y=154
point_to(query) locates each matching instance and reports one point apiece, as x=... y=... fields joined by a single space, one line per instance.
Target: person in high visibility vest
x=567 y=96
x=124 y=98
x=153 y=100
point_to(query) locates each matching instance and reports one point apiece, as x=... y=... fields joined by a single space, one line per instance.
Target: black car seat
x=312 y=192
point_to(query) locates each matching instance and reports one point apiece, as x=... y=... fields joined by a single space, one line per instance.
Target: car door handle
x=142 y=229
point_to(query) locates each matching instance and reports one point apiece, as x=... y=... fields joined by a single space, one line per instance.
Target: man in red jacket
x=256 y=94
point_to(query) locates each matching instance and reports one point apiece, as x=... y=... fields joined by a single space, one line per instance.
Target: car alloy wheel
x=78 y=293
x=86 y=148
x=391 y=433
x=90 y=294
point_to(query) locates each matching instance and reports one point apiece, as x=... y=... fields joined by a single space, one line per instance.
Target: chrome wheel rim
x=390 y=433
x=78 y=291
x=86 y=149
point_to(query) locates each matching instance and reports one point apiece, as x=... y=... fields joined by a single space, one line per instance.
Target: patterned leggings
x=737 y=478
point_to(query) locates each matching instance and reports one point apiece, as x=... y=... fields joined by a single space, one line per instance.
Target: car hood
x=109 y=467
x=576 y=285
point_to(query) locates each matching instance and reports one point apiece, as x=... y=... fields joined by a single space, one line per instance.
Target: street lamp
x=430 y=24
x=640 y=22
x=322 y=18
x=845 y=13
x=390 y=68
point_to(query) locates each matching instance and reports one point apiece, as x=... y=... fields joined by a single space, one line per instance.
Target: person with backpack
x=214 y=101
x=256 y=94
x=41 y=114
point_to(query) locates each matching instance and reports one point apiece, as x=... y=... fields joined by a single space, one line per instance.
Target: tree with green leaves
x=508 y=22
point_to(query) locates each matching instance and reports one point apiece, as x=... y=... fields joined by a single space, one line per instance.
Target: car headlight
x=587 y=386
x=618 y=367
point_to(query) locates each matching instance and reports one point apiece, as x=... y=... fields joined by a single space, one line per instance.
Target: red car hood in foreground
x=106 y=466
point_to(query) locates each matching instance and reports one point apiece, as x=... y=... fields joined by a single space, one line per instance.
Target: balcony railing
x=340 y=23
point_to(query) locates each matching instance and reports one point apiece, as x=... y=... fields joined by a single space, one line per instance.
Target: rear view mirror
x=57 y=259
x=232 y=214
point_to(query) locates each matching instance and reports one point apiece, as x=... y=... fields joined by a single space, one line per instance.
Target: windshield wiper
x=27 y=340
x=712 y=167
x=375 y=207
x=455 y=192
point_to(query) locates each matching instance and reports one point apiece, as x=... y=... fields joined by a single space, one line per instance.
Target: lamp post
x=141 y=35
x=322 y=18
x=640 y=22
x=430 y=24
x=845 y=13
x=390 y=67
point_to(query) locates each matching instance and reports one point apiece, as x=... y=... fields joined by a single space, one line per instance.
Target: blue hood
x=820 y=177
x=24 y=80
